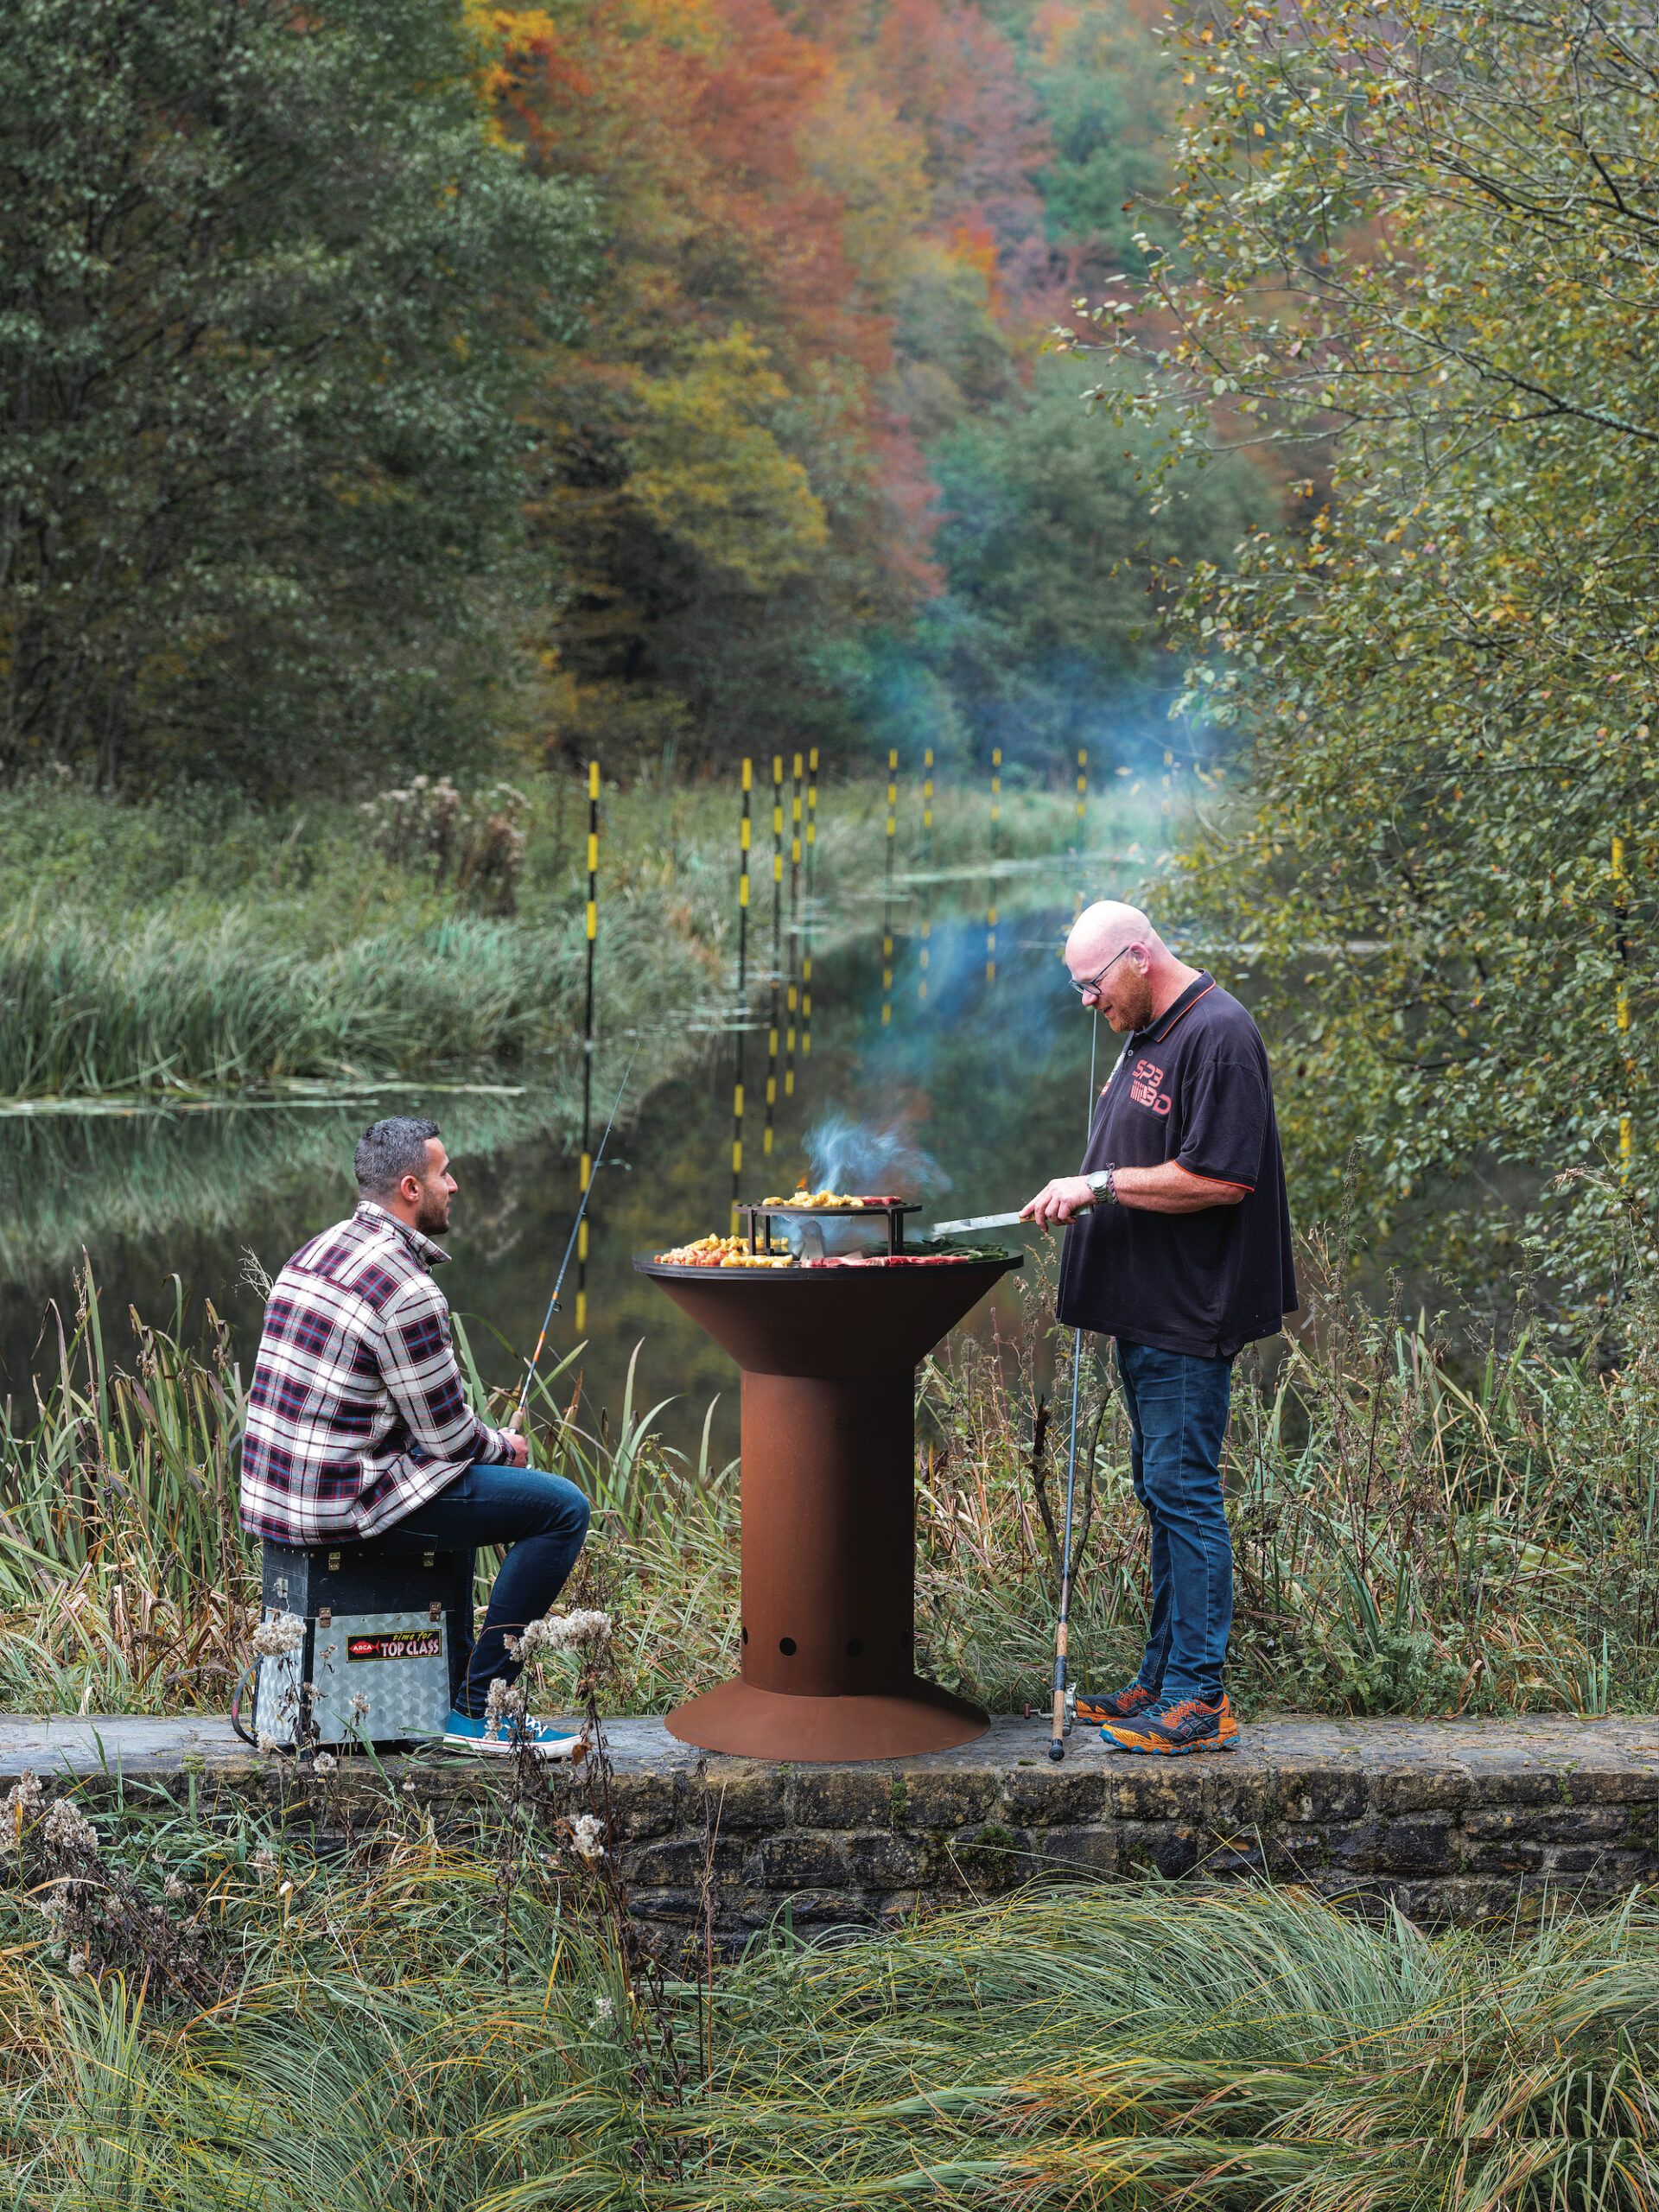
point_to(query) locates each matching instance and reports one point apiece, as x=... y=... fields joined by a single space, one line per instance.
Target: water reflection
x=989 y=1078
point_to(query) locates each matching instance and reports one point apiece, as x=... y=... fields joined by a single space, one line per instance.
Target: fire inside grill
x=827 y=1349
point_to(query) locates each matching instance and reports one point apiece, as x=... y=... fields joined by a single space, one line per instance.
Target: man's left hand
x=1058 y=1201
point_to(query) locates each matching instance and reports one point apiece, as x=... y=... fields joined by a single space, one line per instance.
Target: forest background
x=480 y=387
x=448 y=389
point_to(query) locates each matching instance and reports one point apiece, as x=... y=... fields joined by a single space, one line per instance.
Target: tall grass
x=1413 y=1532
x=250 y=951
x=218 y=2016
x=1407 y=1540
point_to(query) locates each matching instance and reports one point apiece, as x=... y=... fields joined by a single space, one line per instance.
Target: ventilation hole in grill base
x=746 y=1632
x=786 y=1645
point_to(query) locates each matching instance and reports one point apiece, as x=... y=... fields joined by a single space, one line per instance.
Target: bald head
x=1137 y=973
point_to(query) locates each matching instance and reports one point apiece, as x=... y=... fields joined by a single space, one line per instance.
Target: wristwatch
x=1104 y=1183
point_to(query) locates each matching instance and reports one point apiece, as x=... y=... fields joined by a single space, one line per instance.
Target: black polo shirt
x=1192 y=1086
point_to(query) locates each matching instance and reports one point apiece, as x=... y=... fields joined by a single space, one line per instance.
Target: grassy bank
x=206 y=2015
x=1407 y=1542
x=188 y=947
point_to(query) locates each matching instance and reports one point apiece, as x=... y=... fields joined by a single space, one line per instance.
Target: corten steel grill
x=828 y=1360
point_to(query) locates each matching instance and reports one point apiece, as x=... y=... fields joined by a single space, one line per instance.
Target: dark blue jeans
x=541 y=1517
x=1178 y=1405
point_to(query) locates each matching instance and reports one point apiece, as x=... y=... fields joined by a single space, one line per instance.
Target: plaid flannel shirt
x=357 y=1413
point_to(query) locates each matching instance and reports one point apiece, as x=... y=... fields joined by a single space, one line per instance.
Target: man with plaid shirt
x=359 y=1424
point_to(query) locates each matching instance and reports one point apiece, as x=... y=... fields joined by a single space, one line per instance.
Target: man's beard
x=434 y=1217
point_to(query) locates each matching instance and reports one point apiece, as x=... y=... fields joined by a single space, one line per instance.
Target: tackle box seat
x=385 y=1622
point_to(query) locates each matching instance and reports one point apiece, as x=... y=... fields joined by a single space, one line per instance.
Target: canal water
x=964 y=1085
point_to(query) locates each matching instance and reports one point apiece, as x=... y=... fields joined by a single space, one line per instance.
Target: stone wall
x=1454 y=1821
x=1450 y=1822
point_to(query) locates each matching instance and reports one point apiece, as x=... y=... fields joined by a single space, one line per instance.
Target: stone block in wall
x=1518 y=1781
x=1228 y=1854
x=946 y=1797
x=671 y=1861
x=1150 y=1790
x=1236 y=1796
x=679 y=1906
x=881 y=1860
x=983 y=1859
x=645 y=1805
x=817 y=1910
x=1168 y=1847
x=1417 y=1843
x=845 y=1797
x=1572 y=1824
x=1585 y=1872
x=1297 y=1851
x=743 y=1804
x=1311 y=1789
x=1512 y=1852
x=803 y=1861
x=1453 y=1899
x=1046 y=1796
x=1089 y=1849
x=1427 y=1788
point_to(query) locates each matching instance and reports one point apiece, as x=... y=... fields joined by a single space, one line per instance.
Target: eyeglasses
x=1095 y=981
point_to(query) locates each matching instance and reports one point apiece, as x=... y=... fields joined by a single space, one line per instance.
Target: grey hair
x=389 y=1150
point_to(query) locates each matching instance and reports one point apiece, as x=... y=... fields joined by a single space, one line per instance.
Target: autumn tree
x=1422 y=238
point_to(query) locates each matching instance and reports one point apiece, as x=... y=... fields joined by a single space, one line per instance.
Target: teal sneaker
x=462 y=1733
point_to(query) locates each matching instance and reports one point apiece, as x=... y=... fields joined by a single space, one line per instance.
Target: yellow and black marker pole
x=1621 y=1001
x=742 y=990
x=794 y=927
x=886 y=895
x=927 y=863
x=587 y=1173
x=806 y=938
x=990 y=908
x=777 y=945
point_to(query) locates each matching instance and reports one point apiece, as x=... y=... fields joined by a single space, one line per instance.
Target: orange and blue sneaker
x=1114 y=1705
x=1169 y=1730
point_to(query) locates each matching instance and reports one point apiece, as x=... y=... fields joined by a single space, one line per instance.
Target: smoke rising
x=870 y=1159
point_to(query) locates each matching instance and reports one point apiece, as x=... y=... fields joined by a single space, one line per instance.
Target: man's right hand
x=1058 y=1200
x=518 y=1448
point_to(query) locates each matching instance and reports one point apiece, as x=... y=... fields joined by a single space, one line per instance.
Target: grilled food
x=721 y=1252
x=830 y=1201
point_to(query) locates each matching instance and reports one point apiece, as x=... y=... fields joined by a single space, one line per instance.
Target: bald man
x=1177 y=1245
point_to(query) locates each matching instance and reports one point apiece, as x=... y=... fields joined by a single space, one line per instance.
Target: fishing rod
x=517 y=1422
x=1057 y=1742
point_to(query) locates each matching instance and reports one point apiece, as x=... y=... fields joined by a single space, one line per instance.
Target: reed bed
x=1410 y=1539
x=205 y=2016
x=175 y=952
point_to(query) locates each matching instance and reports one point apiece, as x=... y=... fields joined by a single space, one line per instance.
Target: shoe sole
x=573 y=1748
x=1145 y=1747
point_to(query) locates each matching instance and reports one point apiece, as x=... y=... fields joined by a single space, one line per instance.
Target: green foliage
x=458 y=2026
x=1417 y=243
x=1055 y=553
x=268 y=283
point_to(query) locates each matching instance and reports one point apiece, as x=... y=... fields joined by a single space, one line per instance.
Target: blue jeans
x=1178 y=1405
x=541 y=1517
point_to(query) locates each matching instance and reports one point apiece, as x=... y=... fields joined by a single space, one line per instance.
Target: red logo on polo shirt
x=1144 y=1080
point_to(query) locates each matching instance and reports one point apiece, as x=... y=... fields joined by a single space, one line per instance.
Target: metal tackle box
x=384 y=1624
